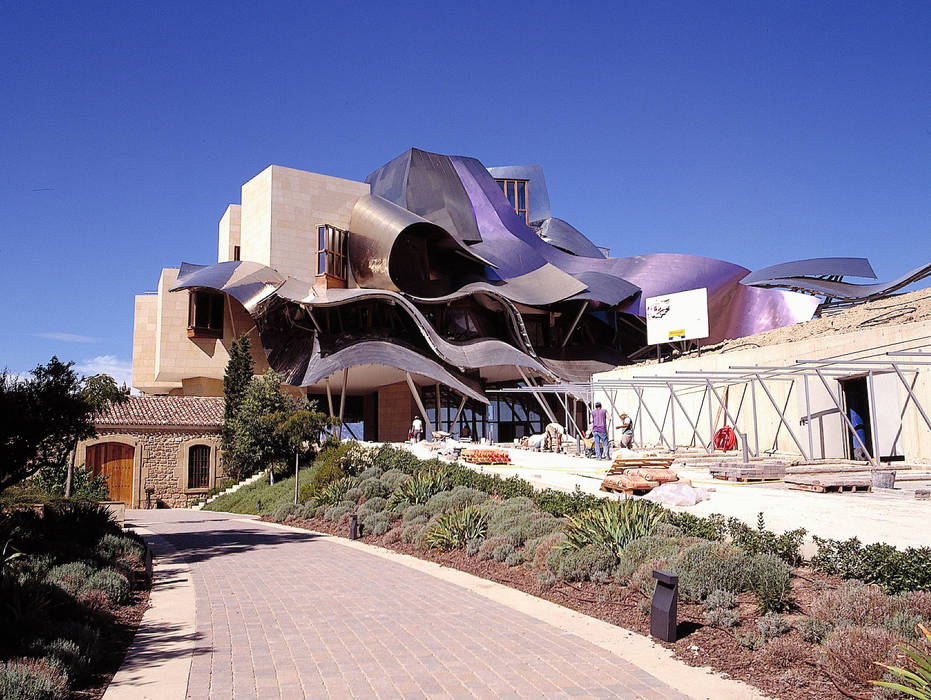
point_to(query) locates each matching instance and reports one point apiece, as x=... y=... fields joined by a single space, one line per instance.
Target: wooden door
x=115 y=461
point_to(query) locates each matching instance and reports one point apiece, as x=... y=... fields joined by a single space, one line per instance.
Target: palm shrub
x=336 y=491
x=612 y=526
x=452 y=530
x=916 y=681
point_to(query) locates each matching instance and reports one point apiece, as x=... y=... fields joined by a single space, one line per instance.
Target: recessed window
x=198 y=467
x=331 y=251
x=517 y=193
x=205 y=315
x=235 y=252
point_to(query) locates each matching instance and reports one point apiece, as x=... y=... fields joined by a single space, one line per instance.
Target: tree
x=98 y=391
x=254 y=440
x=43 y=418
x=236 y=380
x=301 y=430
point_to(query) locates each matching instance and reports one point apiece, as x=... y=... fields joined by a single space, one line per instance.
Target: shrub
x=787 y=652
x=786 y=546
x=325 y=472
x=472 y=547
x=459 y=497
x=705 y=566
x=612 y=526
x=420 y=487
x=751 y=639
x=643 y=549
x=111 y=547
x=334 y=513
x=336 y=490
x=71 y=576
x=65 y=654
x=452 y=530
x=770 y=579
x=371 y=473
x=542 y=550
x=642 y=579
x=502 y=551
x=850 y=653
x=31 y=679
x=896 y=571
x=580 y=564
x=373 y=488
x=514 y=558
x=94 y=599
x=903 y=623
x=373 y=505
x=560 y=503
x=853 y=604
x=813 y=629
x=392 y=478
x=417 y=510
x=721 y=599
x=918 y=603
x=721 y=617
x=353 y=494
x=491 y=484
x=772 y=625
x=377 y=523
x=711 y=528
x=488 y=546
x=283 y=512
x=410 y=531
x=113 y=583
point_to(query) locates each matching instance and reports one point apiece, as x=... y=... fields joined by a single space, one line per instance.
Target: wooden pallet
x=745 y=473
x=826 y=483
x=620 y=465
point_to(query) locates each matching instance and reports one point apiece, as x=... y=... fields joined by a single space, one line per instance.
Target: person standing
x=417 y=428
x=626 y=426
x=600 y=431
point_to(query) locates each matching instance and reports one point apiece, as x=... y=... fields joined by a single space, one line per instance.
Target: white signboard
x=679 y=316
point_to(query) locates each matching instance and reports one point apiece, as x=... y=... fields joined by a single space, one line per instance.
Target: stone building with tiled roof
x=157 y=451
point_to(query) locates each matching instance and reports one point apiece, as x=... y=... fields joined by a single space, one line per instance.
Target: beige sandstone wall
x=229 y=233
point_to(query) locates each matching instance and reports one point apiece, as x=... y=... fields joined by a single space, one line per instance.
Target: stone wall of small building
x=161 y=474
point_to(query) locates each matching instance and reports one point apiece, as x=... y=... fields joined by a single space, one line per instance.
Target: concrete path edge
x=158 y=662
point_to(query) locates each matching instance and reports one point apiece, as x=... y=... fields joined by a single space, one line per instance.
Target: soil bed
x=622 y=605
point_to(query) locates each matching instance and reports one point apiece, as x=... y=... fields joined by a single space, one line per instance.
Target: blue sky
x=753 y=132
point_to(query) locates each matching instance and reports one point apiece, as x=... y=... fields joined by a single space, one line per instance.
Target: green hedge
x=895 y=570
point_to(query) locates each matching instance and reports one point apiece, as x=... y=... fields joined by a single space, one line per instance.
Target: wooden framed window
x=198 y=467
x=517 y=192
x=205 y=315
x=331 y=251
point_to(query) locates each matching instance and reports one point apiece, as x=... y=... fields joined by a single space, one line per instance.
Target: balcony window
x=331 y=252
x=517 y=193
x=205 y=315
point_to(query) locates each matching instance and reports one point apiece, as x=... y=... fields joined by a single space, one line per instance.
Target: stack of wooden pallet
x=749 y=471
x=485 y=456
x=638 y=475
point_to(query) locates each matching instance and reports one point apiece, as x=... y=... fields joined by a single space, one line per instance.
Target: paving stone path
x=285 y=614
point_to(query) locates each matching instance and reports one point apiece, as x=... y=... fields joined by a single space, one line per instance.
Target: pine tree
x=236 y=380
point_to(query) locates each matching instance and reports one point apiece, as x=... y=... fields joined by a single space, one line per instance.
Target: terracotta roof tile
x=164 y=411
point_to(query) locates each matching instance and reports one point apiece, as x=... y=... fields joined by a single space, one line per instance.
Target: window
x=517 y=193
x=331 y=251
x=198 y=467
x=205 y=315
x=235 y=252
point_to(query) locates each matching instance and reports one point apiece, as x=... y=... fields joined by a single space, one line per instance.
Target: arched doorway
x=115 y=461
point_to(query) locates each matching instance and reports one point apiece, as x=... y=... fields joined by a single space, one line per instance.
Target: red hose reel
x=725 y=439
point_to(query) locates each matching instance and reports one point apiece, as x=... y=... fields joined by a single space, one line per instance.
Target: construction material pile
x=638 y=475
x=485 y=456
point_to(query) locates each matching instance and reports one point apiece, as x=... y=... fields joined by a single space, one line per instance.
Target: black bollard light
x=663 y=612
x=353 y=527
x=258 y=506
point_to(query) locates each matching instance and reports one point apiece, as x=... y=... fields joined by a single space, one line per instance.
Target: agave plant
x=452 y=530
x=420 y=488
x=612 y=525
x=916 y=682
x=333 y=492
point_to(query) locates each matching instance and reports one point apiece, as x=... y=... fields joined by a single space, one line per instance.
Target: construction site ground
x=893 y=516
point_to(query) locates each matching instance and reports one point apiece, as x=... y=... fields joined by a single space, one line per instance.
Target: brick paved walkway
x=284 y=614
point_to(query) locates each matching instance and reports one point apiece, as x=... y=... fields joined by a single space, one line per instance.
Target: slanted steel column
x=639 y=392
x=536 y=394
x=756 y=427
x=727 y=413
x=575 y=322
x=342 y=403
x=329 y=397
x=912 y=394
x=843 y=414
x=782 y=418
x=423 y=411
x=458 y=413
x=439 y=408
x=695 y=434
x=874 y=433
x=811 y=446
x=908 y=398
